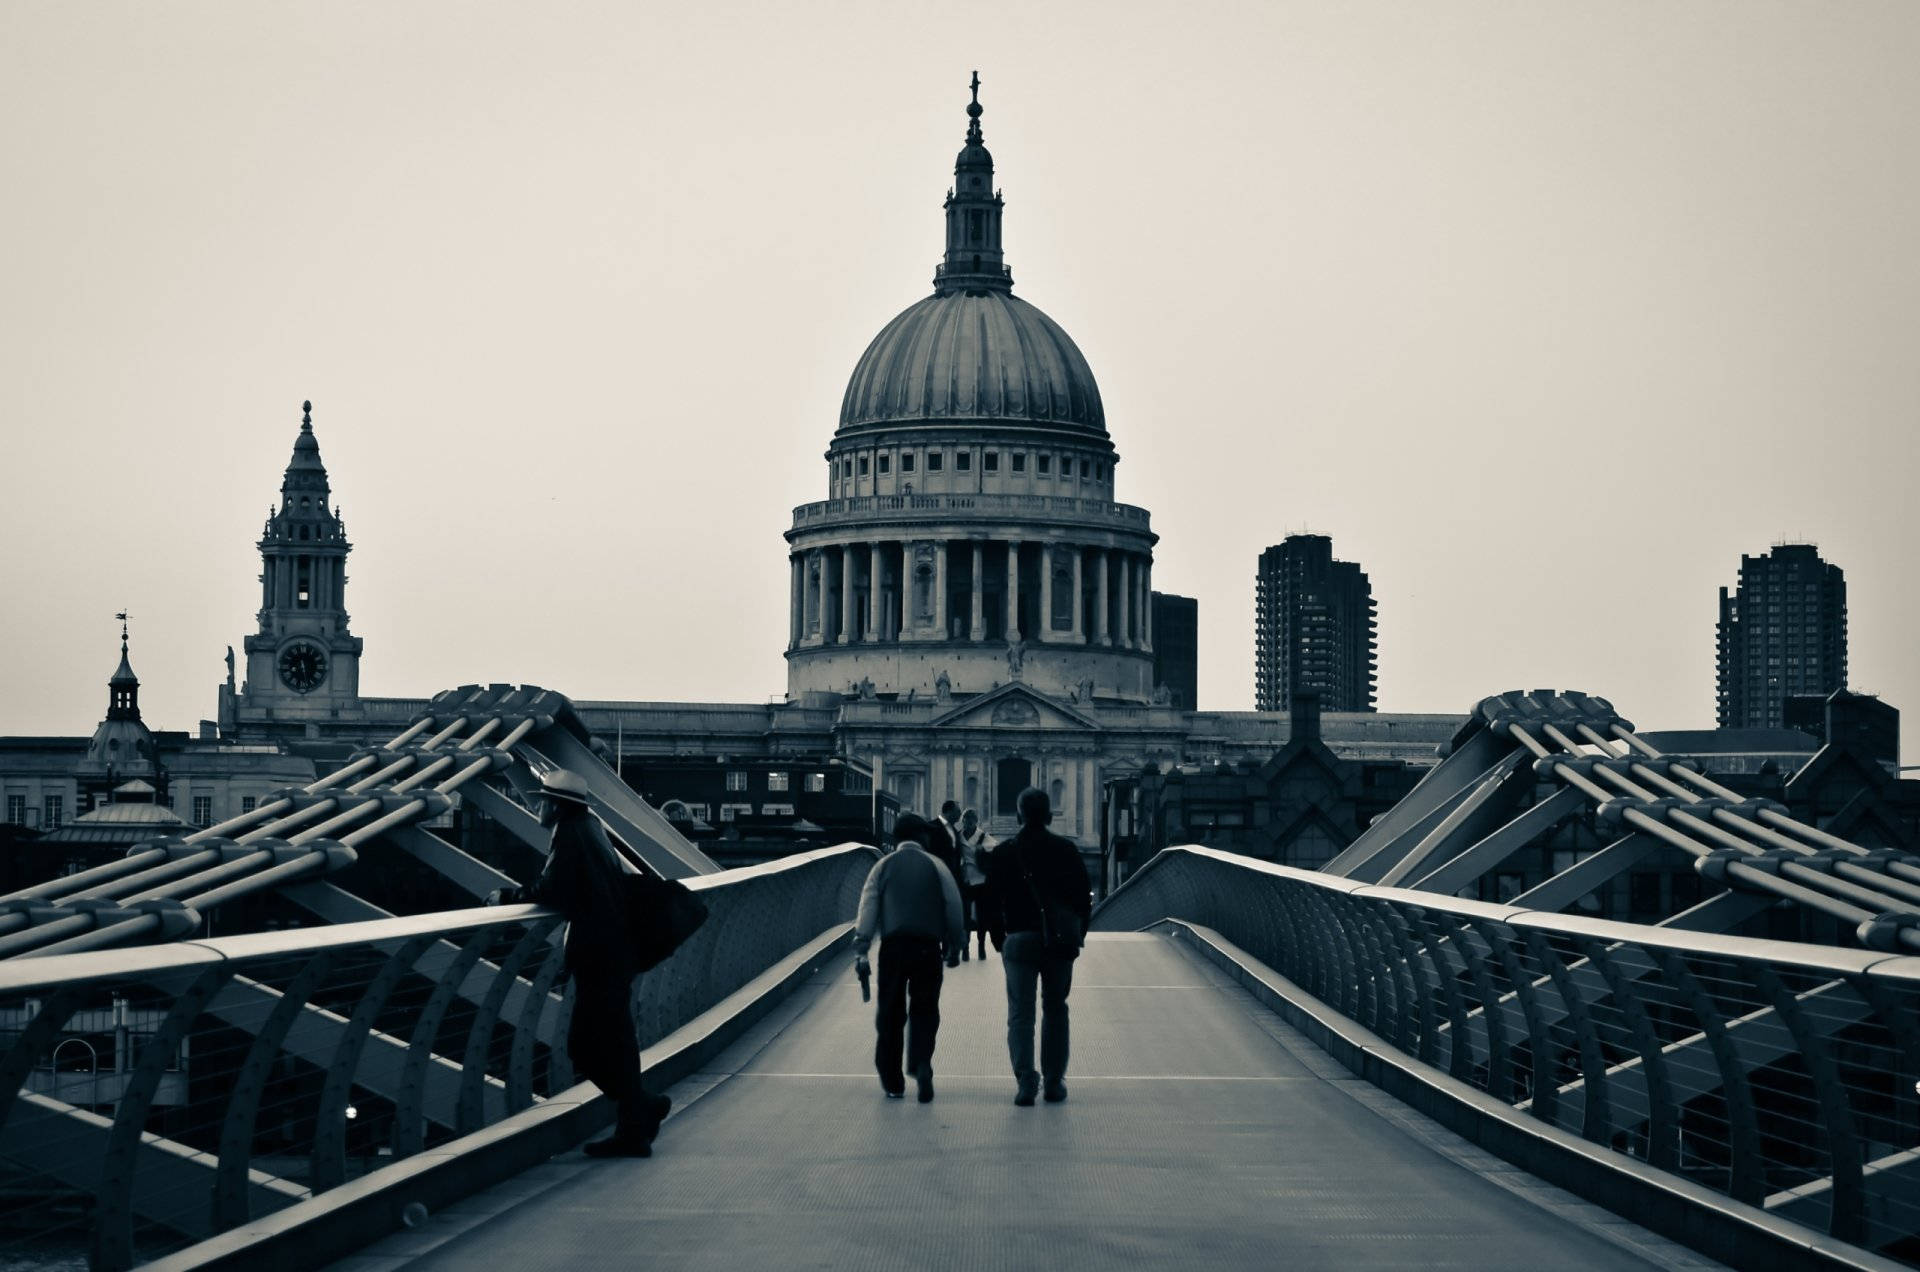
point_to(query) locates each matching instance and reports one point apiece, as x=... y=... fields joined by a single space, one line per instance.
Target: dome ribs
x=981 y=356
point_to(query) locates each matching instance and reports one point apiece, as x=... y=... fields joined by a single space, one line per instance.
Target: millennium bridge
x=1345 y=1068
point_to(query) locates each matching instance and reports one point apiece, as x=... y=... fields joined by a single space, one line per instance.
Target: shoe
x=618 y=1145
x=1024 y=1097
x=924 y=1078
x=895 y=1090
x=1056 y=1092
x=964 y=955
x=657 y=1107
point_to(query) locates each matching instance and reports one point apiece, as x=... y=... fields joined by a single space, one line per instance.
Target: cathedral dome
x=967 y=355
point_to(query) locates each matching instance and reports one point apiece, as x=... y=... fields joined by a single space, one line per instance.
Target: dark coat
x=1058 y=875
x=582 y=881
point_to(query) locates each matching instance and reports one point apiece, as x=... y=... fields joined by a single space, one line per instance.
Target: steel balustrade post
x=1389 y=1005
x=37 y=1038
x=1663 y=1123
x=112 y=1245
x=1297 y=945
x=1332 y=970
x=1846 y=1217
x=1596 y=1114
x=1543 y=1091
x=1424 y=991
x=1746 y=1170
x=1369 y=972
x=410 y=1118
x=330 y=1119
x=559 y=1063
x=1458 y=1032
x=471 y=1111
x=1502 y=1082
x=231 y=1196
x=527 y=1032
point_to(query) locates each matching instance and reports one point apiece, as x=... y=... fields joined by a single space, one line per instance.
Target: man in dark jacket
x=582 y=881
x=1027 y=875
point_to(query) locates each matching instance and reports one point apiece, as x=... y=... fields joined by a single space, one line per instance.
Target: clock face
x=303 y=666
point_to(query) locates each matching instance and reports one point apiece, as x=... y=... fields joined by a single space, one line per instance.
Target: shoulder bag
x=1060 y=928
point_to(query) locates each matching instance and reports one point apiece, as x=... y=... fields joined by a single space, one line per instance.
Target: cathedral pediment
x=1014 y=706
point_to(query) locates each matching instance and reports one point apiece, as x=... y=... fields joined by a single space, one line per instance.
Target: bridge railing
x=1779 y=1074
x=154 y=1097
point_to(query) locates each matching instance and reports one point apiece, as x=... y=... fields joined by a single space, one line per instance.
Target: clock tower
x=303 y=664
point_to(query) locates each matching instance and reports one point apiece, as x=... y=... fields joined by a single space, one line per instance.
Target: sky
x=1545 y=312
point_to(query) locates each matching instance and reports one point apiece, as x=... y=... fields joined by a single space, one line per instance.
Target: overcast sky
x=1546 y=313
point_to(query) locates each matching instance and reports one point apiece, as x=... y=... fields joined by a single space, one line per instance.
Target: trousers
x=907 y=1002
x=603 y=1048
x=1030 y=966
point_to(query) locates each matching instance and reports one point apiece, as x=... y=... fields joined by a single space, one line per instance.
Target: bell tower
x=974 y=263
x=303 y=663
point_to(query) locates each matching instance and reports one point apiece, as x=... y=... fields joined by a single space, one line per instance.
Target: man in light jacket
x=911 y=902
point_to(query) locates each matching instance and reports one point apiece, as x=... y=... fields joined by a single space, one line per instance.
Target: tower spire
x=974 y=262
x=123 y=690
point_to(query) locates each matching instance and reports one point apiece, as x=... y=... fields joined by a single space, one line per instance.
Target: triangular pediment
x=1014 y=706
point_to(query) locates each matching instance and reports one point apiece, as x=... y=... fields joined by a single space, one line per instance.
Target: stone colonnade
x=888 y=590
x=325 y=576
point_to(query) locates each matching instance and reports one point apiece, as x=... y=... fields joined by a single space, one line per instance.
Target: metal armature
x=1781 y=1074
x=489 y=745
x=1524 y=762
x=310 y=1049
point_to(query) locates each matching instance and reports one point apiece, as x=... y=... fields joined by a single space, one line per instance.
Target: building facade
x=1176 y=648
x=1783 y=632
x=1313 y=627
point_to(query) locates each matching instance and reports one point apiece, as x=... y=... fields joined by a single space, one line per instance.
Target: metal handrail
x=1780 y=1073
x=409 y=1017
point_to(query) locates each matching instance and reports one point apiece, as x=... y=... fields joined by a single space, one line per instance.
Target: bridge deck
x=1199 y=1131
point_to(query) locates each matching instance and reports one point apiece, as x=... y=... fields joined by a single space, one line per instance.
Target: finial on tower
x=974 y=110
x=122 y=616
x=306 y=417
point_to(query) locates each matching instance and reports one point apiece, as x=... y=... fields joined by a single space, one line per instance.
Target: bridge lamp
x=352 y=1112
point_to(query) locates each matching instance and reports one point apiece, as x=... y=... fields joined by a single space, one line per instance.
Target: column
x=978 y=630
x=940 y=586
x=905 y=610
x=845 y=634
x=796 y=601
x=874 y=571
x=1079 y=597
x=1126 y=601
x=1013 y=590
x=1046 y=593
x=1100 y=634
x=1146 y=604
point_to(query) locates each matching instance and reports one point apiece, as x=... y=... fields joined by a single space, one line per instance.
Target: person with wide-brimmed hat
x=582 y=881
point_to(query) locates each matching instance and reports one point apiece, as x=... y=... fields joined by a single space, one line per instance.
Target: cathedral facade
x=971 y=609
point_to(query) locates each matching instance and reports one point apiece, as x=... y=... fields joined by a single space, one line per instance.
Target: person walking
x=912 y=903
x=975 y=847
x=581 y=880
x=1037 y=887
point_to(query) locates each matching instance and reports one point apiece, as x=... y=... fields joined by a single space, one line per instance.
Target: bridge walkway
x=1201 y=1131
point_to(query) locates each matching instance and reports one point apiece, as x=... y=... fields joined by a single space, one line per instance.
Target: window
x=1100 y=471
x=816 y=782
x=777 y=782
x=863 y=465
x=1086 y=469
x=1019 y=461
x=963 y=461
x=736 y=780
x=56 y=807
x=1046 y=464
x=203 y=810
x=847 y=471
x=935 y=461
x=991 y=462
x=886 y=464
x=1066 y=465
x=17 y=810
x=730 y=811
x=247 y=803
x=906 y=462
